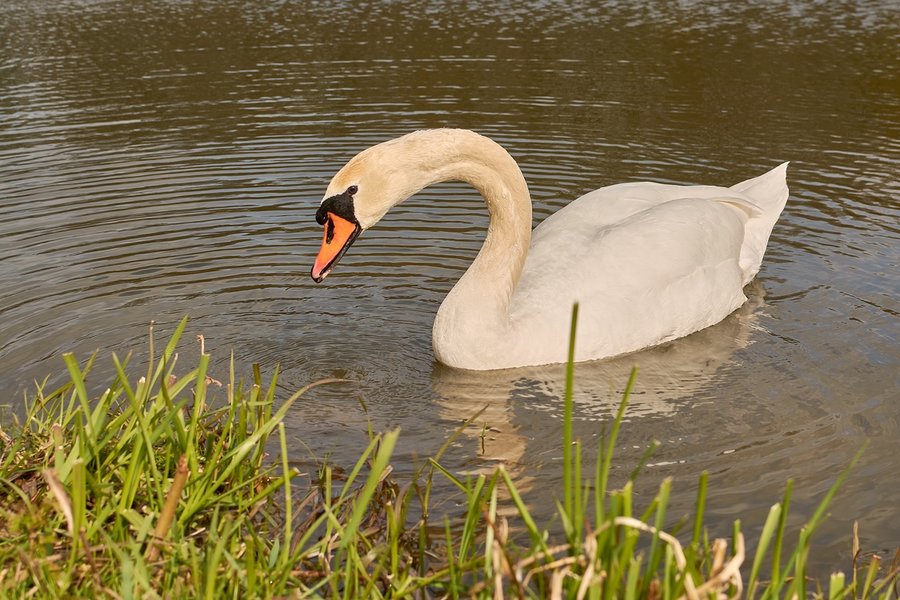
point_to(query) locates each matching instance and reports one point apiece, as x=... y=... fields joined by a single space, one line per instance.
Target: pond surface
x=162 y=158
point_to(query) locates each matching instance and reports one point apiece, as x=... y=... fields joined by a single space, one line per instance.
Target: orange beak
x=339 y=235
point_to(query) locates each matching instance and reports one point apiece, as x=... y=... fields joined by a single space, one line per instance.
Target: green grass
x=162 y=487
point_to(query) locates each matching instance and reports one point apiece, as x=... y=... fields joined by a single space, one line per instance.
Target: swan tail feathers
x=770 y=192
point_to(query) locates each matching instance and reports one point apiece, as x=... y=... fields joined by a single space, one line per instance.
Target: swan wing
x=645 y=268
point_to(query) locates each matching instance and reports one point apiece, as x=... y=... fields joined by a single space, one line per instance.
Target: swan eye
x=352 y=190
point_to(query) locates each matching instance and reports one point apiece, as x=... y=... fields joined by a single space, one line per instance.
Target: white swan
x=647 y=262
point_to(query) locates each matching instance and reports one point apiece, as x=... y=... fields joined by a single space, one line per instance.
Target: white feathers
x=647 y=262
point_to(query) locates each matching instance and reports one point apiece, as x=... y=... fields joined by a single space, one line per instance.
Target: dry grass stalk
x=167 y=516
x=556 y=584
x=62 y=498
x=722 y=575
x=587 y=579
x=677 y=550
x=728 y=574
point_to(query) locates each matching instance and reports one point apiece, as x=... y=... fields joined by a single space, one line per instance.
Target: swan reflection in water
x=670 y=376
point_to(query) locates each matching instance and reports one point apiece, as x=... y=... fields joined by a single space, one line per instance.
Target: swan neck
x=477 y=308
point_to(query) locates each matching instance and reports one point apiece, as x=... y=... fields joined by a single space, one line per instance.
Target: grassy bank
x=161 y=486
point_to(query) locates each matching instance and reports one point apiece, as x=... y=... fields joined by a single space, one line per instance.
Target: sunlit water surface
x=162 y=158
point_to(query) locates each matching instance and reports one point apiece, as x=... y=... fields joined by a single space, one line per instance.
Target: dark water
x=162 y=158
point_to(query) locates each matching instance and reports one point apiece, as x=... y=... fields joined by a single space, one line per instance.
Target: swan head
x=360 y=194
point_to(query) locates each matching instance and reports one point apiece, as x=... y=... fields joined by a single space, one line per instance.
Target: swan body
x=647 y=262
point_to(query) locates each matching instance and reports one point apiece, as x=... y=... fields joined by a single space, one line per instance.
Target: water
x=165 y=158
